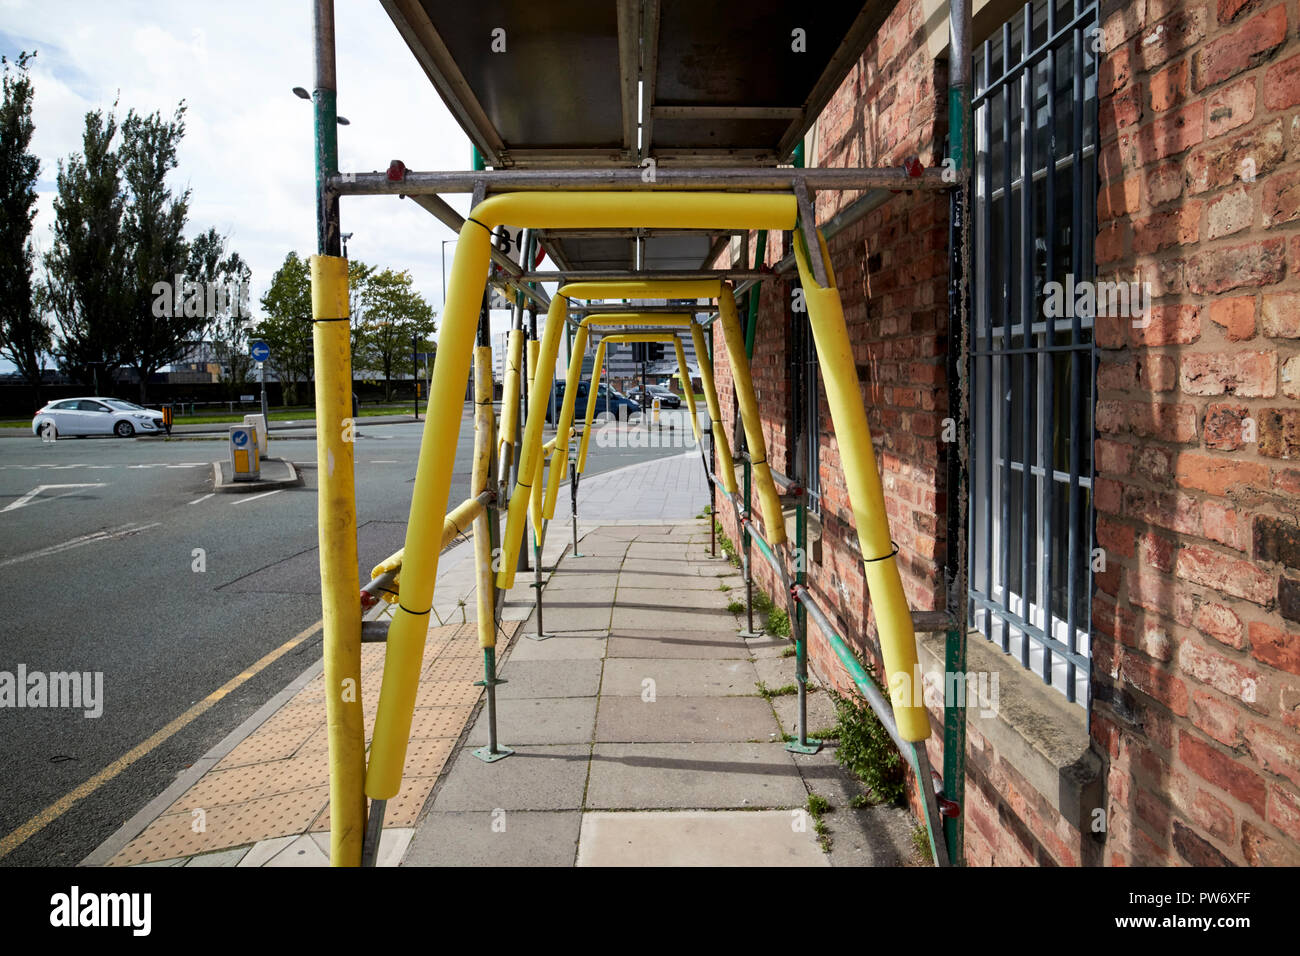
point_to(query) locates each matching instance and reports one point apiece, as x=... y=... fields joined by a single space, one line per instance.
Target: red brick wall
x=1196 y=671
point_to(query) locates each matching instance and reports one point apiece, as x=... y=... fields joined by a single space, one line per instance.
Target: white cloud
x=248 y=151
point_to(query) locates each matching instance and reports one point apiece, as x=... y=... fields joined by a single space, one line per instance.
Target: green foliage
x=866 y=749
x=788 y=651
x=24 y=332
x=817 y=805
x=286 y=325
x=120 y=277
x=735 y=607
x=770 y=692
x=393 y=314
x=86 y=266
x=229 y=332
x=778 y=622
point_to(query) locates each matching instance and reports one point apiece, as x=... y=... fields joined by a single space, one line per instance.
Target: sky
x=247 y=155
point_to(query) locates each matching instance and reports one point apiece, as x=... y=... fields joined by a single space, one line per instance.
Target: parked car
x=667 y=397
x=98 y=416
x=609 y=403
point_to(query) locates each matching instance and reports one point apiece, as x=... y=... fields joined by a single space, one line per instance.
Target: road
x=118 y=560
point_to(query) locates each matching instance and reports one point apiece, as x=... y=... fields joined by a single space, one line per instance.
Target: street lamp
x=302 y=94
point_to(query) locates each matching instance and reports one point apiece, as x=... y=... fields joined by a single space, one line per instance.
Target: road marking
x=262 y=495
x=107 y=535
x=204 y=498
x=27 y=498
x=385 y=461
x=61 y=806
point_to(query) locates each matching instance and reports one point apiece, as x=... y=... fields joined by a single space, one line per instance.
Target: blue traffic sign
x=260 y=351
x=240 y=438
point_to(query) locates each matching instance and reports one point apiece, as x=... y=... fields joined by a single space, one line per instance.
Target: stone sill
x=1036 y=730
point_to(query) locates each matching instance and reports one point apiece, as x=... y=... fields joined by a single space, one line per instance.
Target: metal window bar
x=1031 y=507
x=807 y=409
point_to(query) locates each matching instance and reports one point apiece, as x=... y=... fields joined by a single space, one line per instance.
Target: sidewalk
x=639 y=734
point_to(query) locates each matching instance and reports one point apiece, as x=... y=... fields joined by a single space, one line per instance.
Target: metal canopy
x=613 y=82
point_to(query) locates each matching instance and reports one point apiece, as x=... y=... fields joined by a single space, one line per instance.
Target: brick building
x=1139 y=599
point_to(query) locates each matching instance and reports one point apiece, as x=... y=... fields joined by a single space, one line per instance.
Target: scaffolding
x=634 y=197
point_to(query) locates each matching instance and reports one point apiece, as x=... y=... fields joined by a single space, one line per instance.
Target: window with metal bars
x=1032 y=377
x=807 y=408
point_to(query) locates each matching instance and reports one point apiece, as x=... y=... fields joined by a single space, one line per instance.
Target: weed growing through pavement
x=866 y=749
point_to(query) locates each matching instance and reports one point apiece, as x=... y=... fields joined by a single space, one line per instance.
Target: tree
x=153 y=229
x=24 y=332
x=212 y=265
x=86 y=285
x=286 y=325
x=394 y=313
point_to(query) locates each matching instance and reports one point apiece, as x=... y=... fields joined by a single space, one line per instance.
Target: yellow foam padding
x=329 y=288
x=591 y=405
x=483 y=438
x=460 y=315
x=539 y=391
x=866 y=495
x=510 y=388
x=404 y=650
x=632 y=210
x=564 y=426
x=337 y=531
x=457 y=521
x=768 y=499
x=688 y=391
x=722 y=448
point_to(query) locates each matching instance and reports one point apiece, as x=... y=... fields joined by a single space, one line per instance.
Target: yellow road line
x=61 y=806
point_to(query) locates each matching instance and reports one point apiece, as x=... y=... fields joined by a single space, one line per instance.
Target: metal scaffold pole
x=340 y=586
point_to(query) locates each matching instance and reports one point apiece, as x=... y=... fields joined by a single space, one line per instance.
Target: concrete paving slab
x=560 y=615
x=496 y=838
x=665 y=595
x=680 y=580
x=670 y=618
x=557 y=678
x=548 y=720
x=562 y=646
x=717 y=643
x=696 y=838
x=692 y=776
x=626 y=676
x=533 y=778
x=633 y=720
x=598 y=582
x=768 y=645
x=220 y=858
x=821 y=711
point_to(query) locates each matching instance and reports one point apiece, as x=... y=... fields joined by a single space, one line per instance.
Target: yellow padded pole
x=769 y=501
x=404 y=652
x=564 y=426
x=457 y=520
x=540 y=390
x=866 y=495
x=726 y=466
x=688 y=392
x=591 y=405
x=551 y=209
x=614 y=318
x=483 y=438
x=510 y=389
x=336 y=509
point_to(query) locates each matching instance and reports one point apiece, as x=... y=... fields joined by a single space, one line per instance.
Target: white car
x=97 y=416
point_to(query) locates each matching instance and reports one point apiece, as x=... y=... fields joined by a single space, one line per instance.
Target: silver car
x=96 y=416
